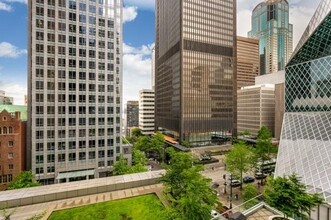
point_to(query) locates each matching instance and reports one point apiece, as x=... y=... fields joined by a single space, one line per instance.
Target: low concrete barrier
x=41 y=194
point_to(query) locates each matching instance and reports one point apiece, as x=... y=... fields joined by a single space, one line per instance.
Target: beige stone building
x=248 y=61
x=256 y=107
x=277 y=79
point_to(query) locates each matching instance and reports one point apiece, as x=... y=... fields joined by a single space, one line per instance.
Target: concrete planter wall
x=279 y=216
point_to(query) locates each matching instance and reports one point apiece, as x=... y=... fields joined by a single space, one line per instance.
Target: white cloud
x=11 y=51
x=136 y=70
x=244 y=22
x=141 y=4
x=300 y=17
x=129 y=13
x=15 y=90
x=5 y=7
x=143 y=50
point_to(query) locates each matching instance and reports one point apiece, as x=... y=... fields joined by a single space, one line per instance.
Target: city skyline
x=137 y=47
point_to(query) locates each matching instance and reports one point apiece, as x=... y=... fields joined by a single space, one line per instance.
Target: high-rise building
x=132 y=115
x=153 y=68
x=305 y=144
x=248 y=61
x=256 y=108
x=74 y=88
x=270 y=25
x=5 y=100
x=12 y=141
x=195 y=76
x=147 y=111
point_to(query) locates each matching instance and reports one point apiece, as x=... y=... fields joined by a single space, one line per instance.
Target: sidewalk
x=26 y=212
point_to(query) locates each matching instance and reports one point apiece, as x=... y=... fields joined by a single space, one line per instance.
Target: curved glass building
x=270 y=25
x=305 y=146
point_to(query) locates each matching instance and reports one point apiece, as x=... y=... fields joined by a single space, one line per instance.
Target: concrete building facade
x=12 y=142
x=270 y=25
x=248 y=61
x=147 y=111
x=277 y=79
x=195 y=73
x=5 y=100
x=256 y=108
x=74 y=88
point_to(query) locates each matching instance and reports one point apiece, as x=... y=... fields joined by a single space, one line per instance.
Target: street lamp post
x=230 y=191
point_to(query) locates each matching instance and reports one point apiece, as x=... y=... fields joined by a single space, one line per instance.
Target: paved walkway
x=25 y=212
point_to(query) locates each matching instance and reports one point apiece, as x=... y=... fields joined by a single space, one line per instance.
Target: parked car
x=259 y=176
x=248 y=179
x=214 y=214
x=235 y=183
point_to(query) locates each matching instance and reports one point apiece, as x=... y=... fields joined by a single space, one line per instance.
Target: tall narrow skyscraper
x=74 y=86
x=195 y=79
x=270 y=25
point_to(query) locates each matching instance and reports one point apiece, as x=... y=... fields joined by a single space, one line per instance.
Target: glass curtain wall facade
x=305 y=145
x=74 y=87
x=195 y=68
x=270 y=25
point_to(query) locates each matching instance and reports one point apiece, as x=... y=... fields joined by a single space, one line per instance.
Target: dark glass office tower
x=195 y=78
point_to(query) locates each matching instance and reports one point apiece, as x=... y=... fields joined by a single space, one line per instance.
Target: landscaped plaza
x=145 y=207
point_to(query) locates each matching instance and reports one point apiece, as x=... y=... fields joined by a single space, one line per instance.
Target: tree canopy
x=136 y=132
x=239 y=160
x=249 y=193
x=25 y=179
x=189 y=192
x=290 y=196
x=139 y=160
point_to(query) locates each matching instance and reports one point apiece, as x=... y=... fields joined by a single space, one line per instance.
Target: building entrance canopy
x=80 y=173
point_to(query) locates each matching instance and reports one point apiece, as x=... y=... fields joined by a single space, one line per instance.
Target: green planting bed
x=142 y=207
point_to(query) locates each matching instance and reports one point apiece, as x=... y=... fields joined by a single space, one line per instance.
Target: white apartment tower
x=147 y=111
x=74 y=88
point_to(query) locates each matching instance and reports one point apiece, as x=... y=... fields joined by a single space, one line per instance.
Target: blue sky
x=138 y=41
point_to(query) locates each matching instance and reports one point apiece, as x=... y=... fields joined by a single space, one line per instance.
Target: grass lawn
x=142 y=207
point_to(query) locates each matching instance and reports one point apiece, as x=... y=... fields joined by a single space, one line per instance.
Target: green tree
x=250 y=192
x=136 y=132
x=263 y=146
x=290 y=196
x=142 y=143
x=138 y=157
x=189 y=192
x=245 y=132
x=239 y=160
x=139 y=160
x=121 y=167
x=156 y=144
x=185 y=144
x=25 y=179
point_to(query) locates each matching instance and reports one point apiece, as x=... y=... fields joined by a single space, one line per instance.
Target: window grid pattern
x=305 y=149
x=308 y=86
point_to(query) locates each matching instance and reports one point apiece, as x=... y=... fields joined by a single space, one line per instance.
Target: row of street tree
x=244 y=158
